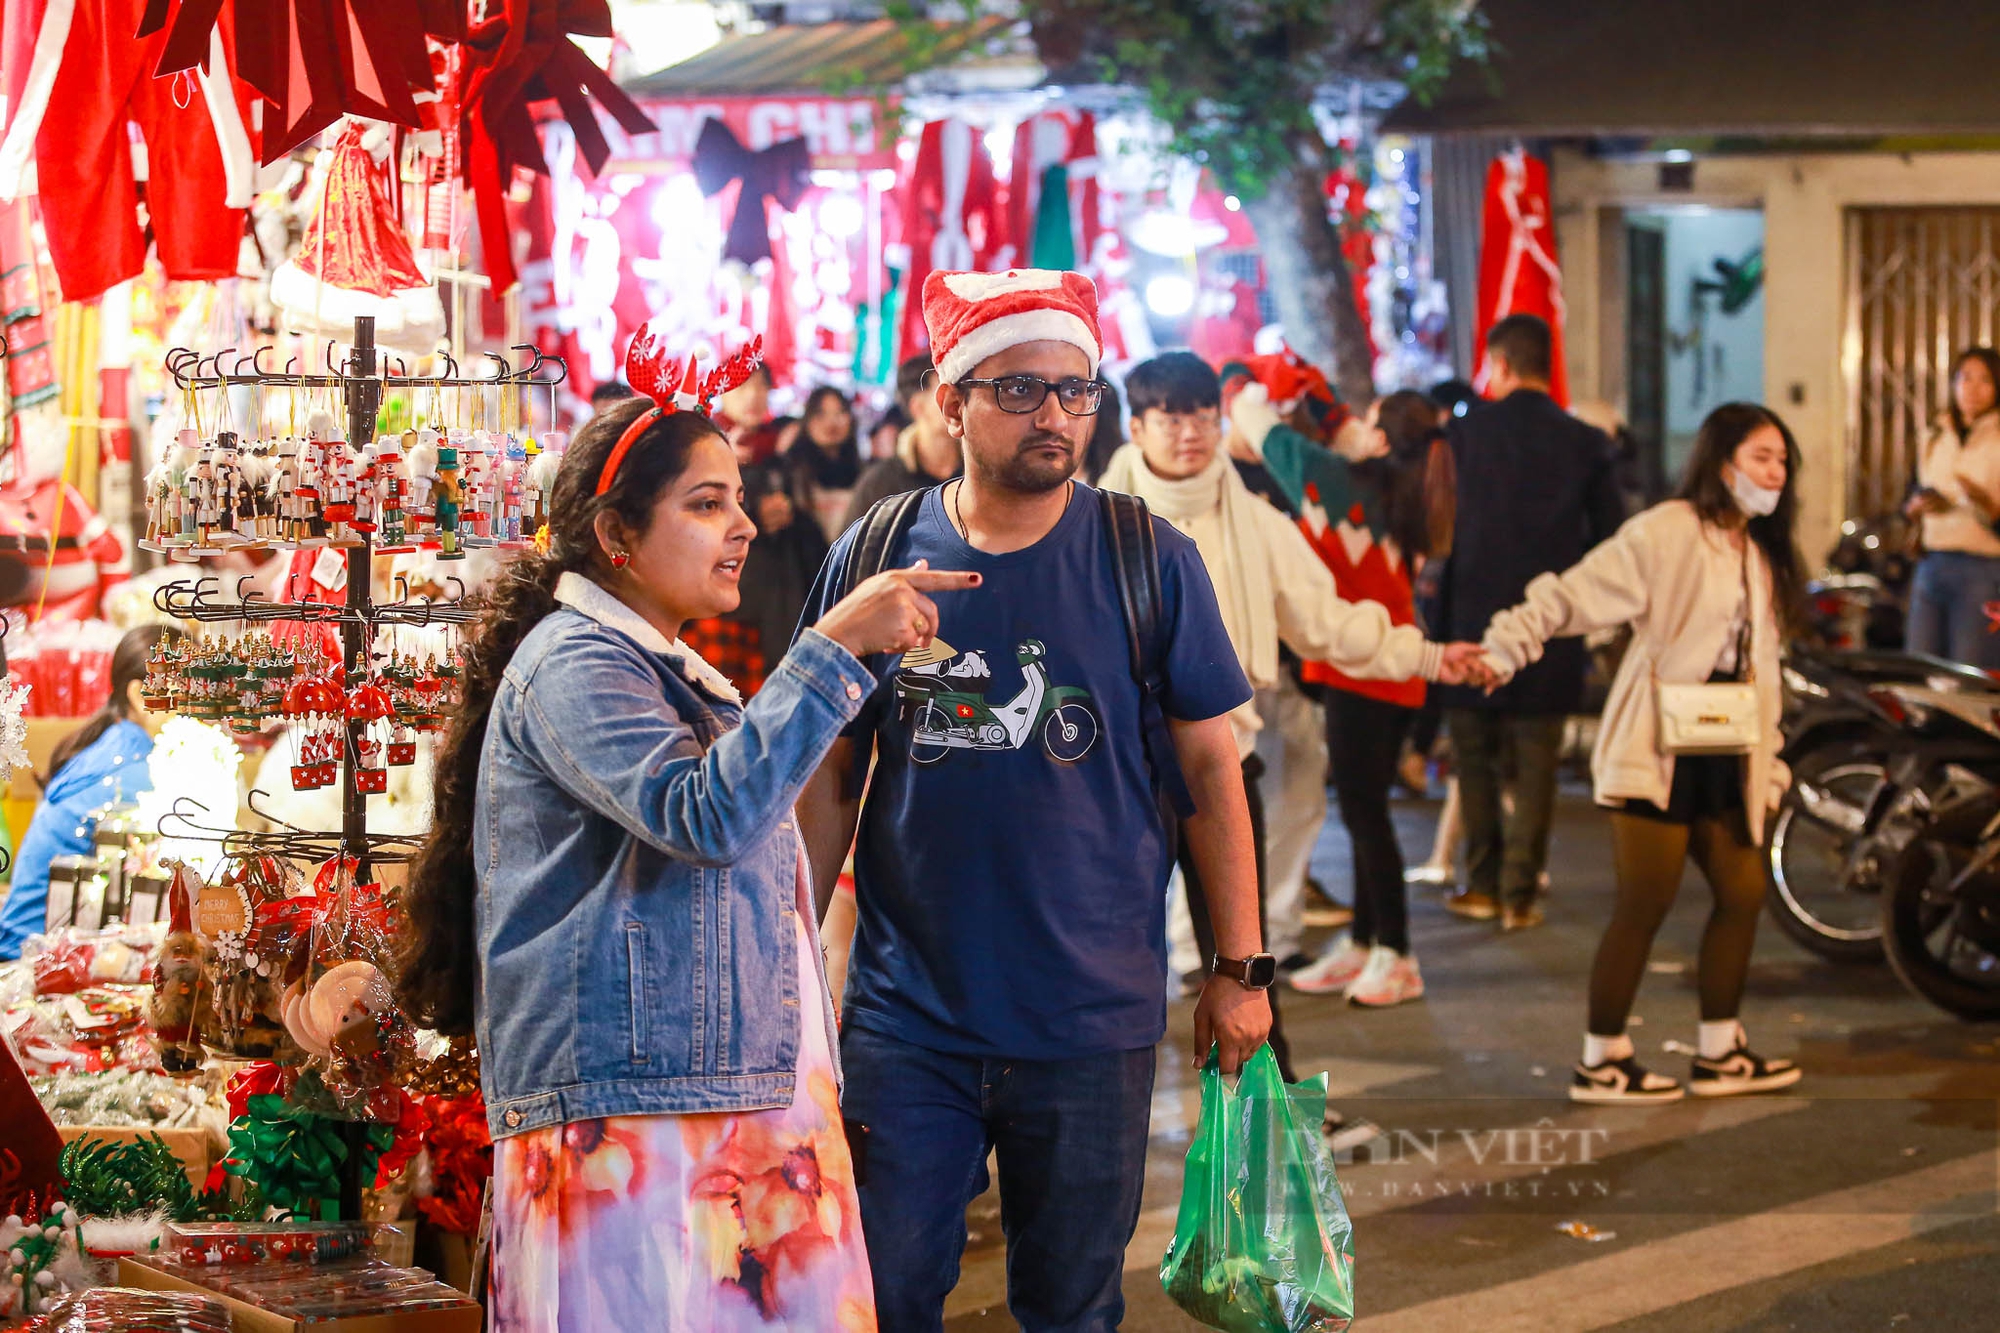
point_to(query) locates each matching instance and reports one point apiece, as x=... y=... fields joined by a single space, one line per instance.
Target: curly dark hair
x=440 y=962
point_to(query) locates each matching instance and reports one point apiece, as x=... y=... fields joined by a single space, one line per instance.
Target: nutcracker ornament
x=391 y=487
x=445 y=505
x=421 y=466
x=513 y=470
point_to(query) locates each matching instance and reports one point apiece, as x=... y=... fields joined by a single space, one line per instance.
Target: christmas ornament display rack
x=361 y=381
x=184 y=364
x=293 y=843
x=185 y=600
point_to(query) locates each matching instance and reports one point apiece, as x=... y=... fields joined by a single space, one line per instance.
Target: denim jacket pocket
x=635 y=981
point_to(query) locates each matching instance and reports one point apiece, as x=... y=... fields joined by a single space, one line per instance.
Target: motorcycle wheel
x=1923 y=931
x=929 y=718
x=1824 y=911
x=1069 y=732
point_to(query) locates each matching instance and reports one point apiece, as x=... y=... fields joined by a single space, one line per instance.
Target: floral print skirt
x=710 y=1223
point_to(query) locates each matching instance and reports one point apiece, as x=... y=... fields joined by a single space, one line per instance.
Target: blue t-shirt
x=1011 y=869
x=110 y=769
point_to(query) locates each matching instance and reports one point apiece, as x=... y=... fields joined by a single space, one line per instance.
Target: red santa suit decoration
x=79 y=60
x=1518 y=274
x=953 y=216
x=1053 y=214
x=355 y=259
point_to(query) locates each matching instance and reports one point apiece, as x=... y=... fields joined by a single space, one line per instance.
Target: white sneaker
x=1333 y=970
x=1389 y=978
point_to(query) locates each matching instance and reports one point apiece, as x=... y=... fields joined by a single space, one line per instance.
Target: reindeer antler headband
x=650 y=371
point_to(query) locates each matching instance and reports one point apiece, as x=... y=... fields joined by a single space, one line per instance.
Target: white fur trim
x=1252 y=414
x=17 y=153
x=1027 y=326
x=976 y=287
x=218 y=90
x=408 y=320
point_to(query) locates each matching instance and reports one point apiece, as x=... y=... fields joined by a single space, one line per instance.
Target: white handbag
x=1716 y=716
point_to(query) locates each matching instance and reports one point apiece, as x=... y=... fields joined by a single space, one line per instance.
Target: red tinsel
x=461 y=1160
x=411 y=1124
x=253 y=1080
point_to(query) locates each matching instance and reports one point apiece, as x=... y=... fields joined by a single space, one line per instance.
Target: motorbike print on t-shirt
x=1011 y=866
x=943 y=695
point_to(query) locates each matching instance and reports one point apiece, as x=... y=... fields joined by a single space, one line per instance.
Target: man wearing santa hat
x=1007 y=984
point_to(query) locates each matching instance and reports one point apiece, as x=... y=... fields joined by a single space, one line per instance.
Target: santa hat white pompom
x=973 y=316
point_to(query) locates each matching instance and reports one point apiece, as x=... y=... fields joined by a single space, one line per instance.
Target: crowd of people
x=1028 y=666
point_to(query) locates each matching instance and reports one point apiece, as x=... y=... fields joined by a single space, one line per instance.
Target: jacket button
x=853 y=690
x=513 y=1119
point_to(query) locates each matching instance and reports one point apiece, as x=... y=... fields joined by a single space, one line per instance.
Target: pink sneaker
x=1389 y=978
x=1334 y=970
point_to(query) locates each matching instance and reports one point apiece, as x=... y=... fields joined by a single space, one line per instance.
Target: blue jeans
x=1948 y=601
x=1070 y=1136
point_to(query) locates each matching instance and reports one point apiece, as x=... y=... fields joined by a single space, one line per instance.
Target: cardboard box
x=44 y=734
x=190 y=1145
x=246 y=1318
x=22 y=793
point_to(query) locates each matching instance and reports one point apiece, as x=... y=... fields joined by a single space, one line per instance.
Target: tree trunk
x=1309 y=277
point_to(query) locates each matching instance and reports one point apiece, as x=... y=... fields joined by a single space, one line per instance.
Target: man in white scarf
x=1271 y=585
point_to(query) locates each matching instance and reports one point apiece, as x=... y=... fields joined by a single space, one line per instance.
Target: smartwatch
x=1257 y=972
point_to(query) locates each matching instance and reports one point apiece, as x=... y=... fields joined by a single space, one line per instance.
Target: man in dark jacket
x=925 y=454
x=1535 y=491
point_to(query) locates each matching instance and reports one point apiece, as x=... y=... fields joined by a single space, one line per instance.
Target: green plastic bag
x=1262 y=1243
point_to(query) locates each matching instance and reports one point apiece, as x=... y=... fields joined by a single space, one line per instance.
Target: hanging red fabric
x=954 y=217
x=1518 y=273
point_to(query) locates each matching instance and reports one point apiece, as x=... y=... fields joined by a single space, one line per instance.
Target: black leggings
x=1648 y=854
x=1364 y=738
x=1204 y=929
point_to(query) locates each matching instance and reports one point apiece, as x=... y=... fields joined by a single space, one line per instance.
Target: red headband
x=651 y=372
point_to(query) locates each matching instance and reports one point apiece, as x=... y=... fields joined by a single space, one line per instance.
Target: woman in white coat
x=1707 y=581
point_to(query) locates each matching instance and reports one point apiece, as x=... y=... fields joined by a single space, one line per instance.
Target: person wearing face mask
x=1708 y=581
x=1957 y=500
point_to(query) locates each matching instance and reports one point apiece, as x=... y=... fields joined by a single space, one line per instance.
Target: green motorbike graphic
x=947 y=717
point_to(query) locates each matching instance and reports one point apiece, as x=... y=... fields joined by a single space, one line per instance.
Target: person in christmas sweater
x=1292 y=745
x=1363 y=507
x=1270 y=588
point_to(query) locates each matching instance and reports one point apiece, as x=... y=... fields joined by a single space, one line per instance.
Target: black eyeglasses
x=1022 y=394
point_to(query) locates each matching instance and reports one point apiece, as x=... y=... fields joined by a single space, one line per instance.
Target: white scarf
x=1240 y=571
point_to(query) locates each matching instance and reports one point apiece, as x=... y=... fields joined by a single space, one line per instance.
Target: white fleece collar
x=584 y=596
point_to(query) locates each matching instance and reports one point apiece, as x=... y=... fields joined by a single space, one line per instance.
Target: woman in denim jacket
x=613 y=898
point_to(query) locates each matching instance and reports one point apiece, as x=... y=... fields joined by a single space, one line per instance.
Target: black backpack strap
x=875 y=543
x=1135 y=556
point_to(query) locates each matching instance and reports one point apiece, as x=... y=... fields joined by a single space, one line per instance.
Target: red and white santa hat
x=976 y=315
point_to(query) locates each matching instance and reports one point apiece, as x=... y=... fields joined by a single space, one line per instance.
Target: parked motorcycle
x=1868 y=738
x=1941 y=914
x=1860 y=601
